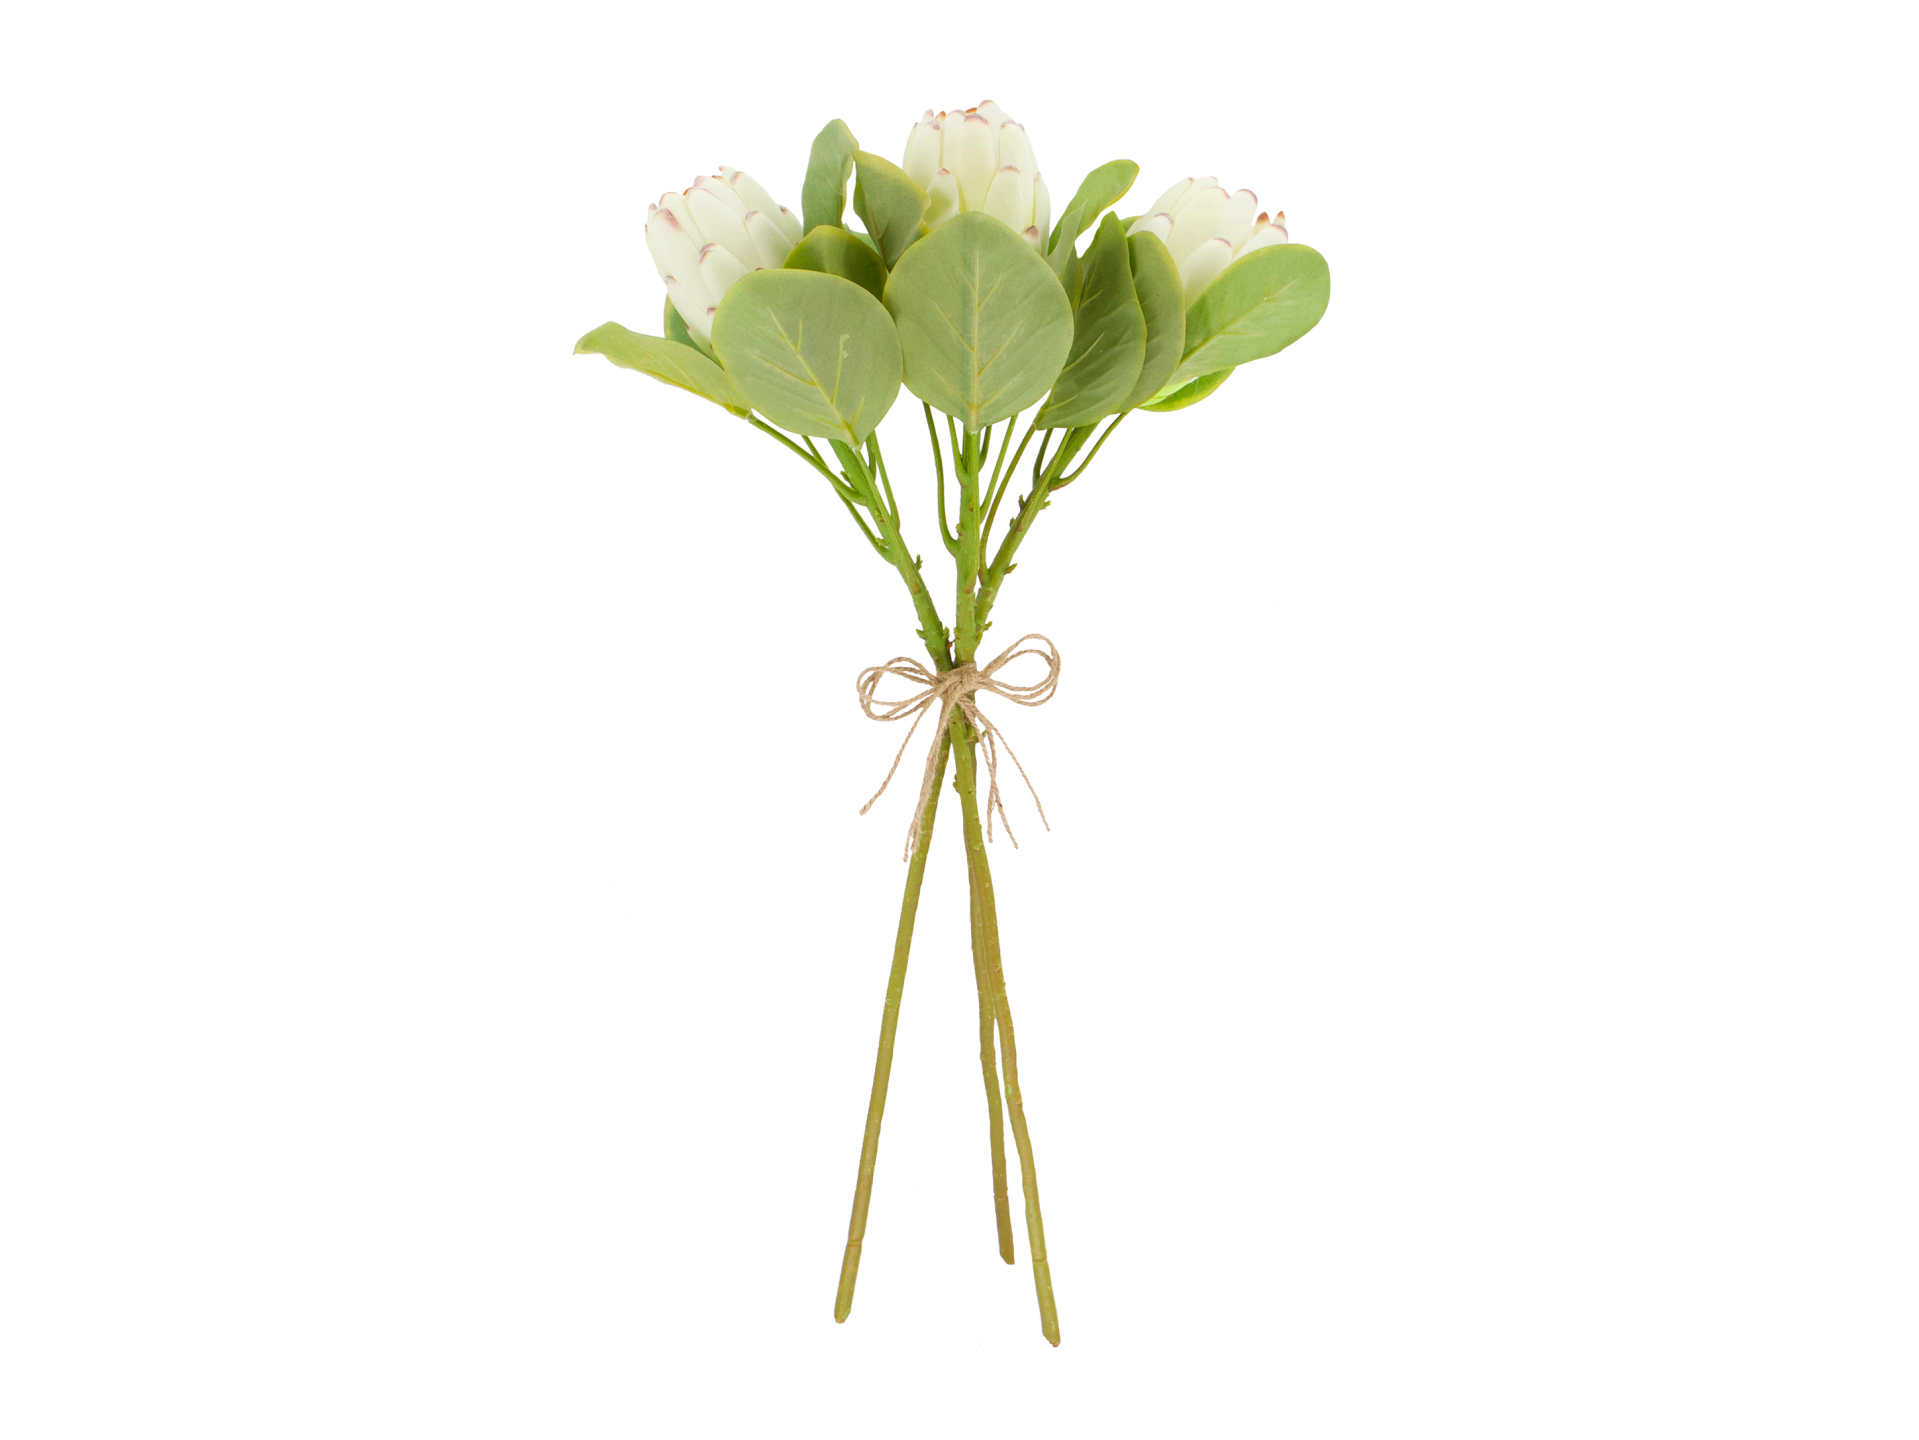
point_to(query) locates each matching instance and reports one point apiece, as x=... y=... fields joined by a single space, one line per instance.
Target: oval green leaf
x=1258 y=305
x=1103 y=187
x=823 y=195
x=983 y=324
x=892 y=206
x=667 y=360
x=812 y=352
x=833 y=251
x=1190 y=393
x=1156 y=283
x=1109 y=336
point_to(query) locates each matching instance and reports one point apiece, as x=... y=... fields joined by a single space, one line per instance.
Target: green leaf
x=676 y=330
x=1190 y=393
x=983 y=324
x=1103 y=187
x=1109 y=336
x=891 y=205
x=1156 y=283
x=823 y=195
x=833 y=251
x=1257 y=306
x=667 y=360
x=1072 y=274
x=812 y=352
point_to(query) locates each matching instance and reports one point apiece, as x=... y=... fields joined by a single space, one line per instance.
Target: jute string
x=955 y=690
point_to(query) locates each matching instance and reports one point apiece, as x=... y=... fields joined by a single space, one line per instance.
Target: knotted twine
x=955 y=691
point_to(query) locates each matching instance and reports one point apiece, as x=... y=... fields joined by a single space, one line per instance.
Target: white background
x=1468 y=988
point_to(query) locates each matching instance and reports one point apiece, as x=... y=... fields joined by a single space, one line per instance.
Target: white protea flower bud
x=1206 y=229
x=716 y=230
x=979 y=159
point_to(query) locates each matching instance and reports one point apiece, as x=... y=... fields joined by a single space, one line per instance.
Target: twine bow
x=952 y=691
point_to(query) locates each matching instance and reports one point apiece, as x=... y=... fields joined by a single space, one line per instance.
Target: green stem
x=1005 y=443
x=996 y=491
x=995 y=1120
x=1091 y=455
x=932 y=628
x=980 y=879
x=1029 y=509
x=966 y=630
x=879 y=464
x=968 y=627
x=883 y=1066
x=947 y=538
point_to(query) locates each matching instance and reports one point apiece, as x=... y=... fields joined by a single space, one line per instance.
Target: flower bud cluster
x=979 y=159
x=1207 y=229
x=716 y=230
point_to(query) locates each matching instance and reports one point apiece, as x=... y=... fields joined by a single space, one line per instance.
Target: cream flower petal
x=673 y=250
x=1236 y=222
x=751 y=192
x=1010 y=199
x=943 y=201
x=974 y=172
x=1198 y=269
x=693 y=304
x=1015 y=149
x=718 y=222
x=1160 y=224
x=1198 y=188
x=716 y=187
x=770 y=245
x=676 y=206
x=1193 y=222
x=1262 y=237
x=1174 y=193
x=719 y=268
x=922 y=160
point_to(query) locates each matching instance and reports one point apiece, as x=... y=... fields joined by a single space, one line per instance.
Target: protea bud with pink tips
x=979 y=159
x=718 y=229
x=1207 y=229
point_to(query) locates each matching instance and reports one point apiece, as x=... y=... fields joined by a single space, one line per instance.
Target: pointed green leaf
x=1103 y=187
x=1109 y=336
x=1156 y=283
x=892 y=206
x=833 y=251
x=667 y=360
x=1190 y=393
x=983 y=324
x=1072 y=274
x=812 y=352
x=823 y=195
x=1257 y=306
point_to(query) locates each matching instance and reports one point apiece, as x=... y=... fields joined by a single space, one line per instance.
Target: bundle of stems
x=964 y=290
x=862 y=483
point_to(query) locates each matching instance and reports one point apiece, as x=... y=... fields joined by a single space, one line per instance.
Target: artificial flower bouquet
x=958 y=284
